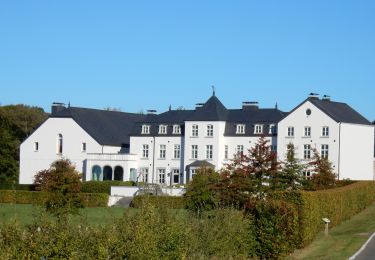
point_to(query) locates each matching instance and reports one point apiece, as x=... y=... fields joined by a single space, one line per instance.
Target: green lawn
x=343 y=240
x=25 y=213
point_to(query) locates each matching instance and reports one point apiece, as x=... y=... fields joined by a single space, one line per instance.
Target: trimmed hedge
x=335 y=204
x=103 y=186
x=37 y=197
x=16 y=186
x=159 y=201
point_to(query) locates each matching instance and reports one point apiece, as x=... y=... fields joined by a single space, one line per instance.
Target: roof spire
x=69 y=104
x=213 y=90
x=276 y=105
x=170 y=107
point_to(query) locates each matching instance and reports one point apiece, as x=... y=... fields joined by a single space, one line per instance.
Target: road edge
x=362 y=248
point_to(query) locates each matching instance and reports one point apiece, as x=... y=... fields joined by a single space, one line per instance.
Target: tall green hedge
x=159 y=201
x=37 y=197
x=16 y=186
x=103 y=186
x=335 y=204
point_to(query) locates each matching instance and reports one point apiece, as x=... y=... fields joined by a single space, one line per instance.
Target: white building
x=167 y=148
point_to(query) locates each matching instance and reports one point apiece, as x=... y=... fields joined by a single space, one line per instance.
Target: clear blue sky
x=138 y=55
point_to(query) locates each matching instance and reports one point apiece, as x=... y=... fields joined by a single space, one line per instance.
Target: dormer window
x=176 y=129
x=162 y=129
x=240 y=129
x=273 y=129
x=258 y=129
x=145 y=129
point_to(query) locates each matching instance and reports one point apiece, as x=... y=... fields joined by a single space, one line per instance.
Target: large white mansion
x=168 y=148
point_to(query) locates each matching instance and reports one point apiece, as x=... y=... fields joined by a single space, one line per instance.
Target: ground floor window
x=306 y=174
x=107 y=173
x=96 y=173
x=133 y=174
x=176 y=176
x=119 y=173
x=144 y=174
x=193 y=172
x=161 y=176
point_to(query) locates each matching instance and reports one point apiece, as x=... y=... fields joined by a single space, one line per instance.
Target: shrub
x=16 y=186
x=159 y=201
x=103 y=186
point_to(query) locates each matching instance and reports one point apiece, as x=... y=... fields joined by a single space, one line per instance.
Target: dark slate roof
x=106 y=127
x=201 y=163
x=212 y=110
x=340 y=112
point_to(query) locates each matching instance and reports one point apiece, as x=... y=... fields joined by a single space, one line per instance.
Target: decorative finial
x=213 y=90
x=170 y=107
x=69 y=104
x=276 y=105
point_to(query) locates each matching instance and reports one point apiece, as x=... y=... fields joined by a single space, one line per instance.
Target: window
x=306 y=151
x=193 y=172
x=290 y=131
x=307 y=131
x=208 y=151
x=273 y=129
x=239 y=150
x=258 y=129
x=308 y=111
x=162 y=152
x=194 y=152
x=161 y=173
x=306 y=174
x=273 y=148
x=176 y=176
x=226 y=152
x=144 y=174
x=194 y=130
x=176 y=129
x=324 y=151
x=210 y=130
x=118 y=174
x=36 y=146
x=145 y=151
x=177 y=151
x=83 y=147
x=60 y=144
x=162 y=129
x=240 y=129
x=325 y=131
x=145 y=129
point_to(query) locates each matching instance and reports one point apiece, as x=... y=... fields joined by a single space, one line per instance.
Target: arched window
x=107 y=173
x=97 y=173
x=60 y=144
x=119 y=173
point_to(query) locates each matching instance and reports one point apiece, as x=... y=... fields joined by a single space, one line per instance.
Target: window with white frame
x=145 y=151
x=307 y=131
x=324 y=151
x=194 y=151
x=209 y=152
x=258 y=129
x=194 y=130
x=239 y=150
x=144 y=174
x=306 y=174
x=210 y=130
x=36 y=146
x=240 y=129
x=273 y=129
x=306 y=151
x=325 y=131
x=290 y=131
x=145 y=129
x=59 y=144
x=193 y=172
x=176 y=176
x=161 y=175
x=162 y=129
x=226 y=153
x=176 y=129
x=177 y=151
x=162 y=151
x=83 y=147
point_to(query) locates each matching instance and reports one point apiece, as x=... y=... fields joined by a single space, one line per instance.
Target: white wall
x=47 y=135
x=356 y=151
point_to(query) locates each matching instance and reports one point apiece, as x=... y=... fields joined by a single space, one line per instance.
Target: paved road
x=367 y=251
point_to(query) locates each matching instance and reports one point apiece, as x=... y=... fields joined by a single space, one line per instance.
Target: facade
x=168 y=148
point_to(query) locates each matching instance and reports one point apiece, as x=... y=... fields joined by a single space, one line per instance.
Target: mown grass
x=343 y=240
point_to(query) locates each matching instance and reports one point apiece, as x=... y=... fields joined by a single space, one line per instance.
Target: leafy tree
x=323 y=177
x=63 y=184
x=290 y=177
x=200 y=193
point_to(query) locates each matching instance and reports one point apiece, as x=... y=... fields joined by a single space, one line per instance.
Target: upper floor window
x=145 y=151
x=176 y=129
x=240 y=129
x=290 y=131
x=239 y=150
x=325 y=131
x=194 y=152
x=226 y=152
x=83 y=148
x=307 y=131
x=324 y=151
x=306 y=151
x=163 y=151
x=210 y=130
x=36 y=146
x=162 y=129
x=194 y=130
x=60 y=144
x=177 y=151
x=258 y=129
x=209 y=151
x=146 y=129
x=273 y=129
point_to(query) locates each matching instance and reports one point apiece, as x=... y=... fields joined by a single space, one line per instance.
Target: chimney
x=250 y=105
x=199 y=105
x=314 y=95
x=326 y=98
x=151 y=112
x=57 y=107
